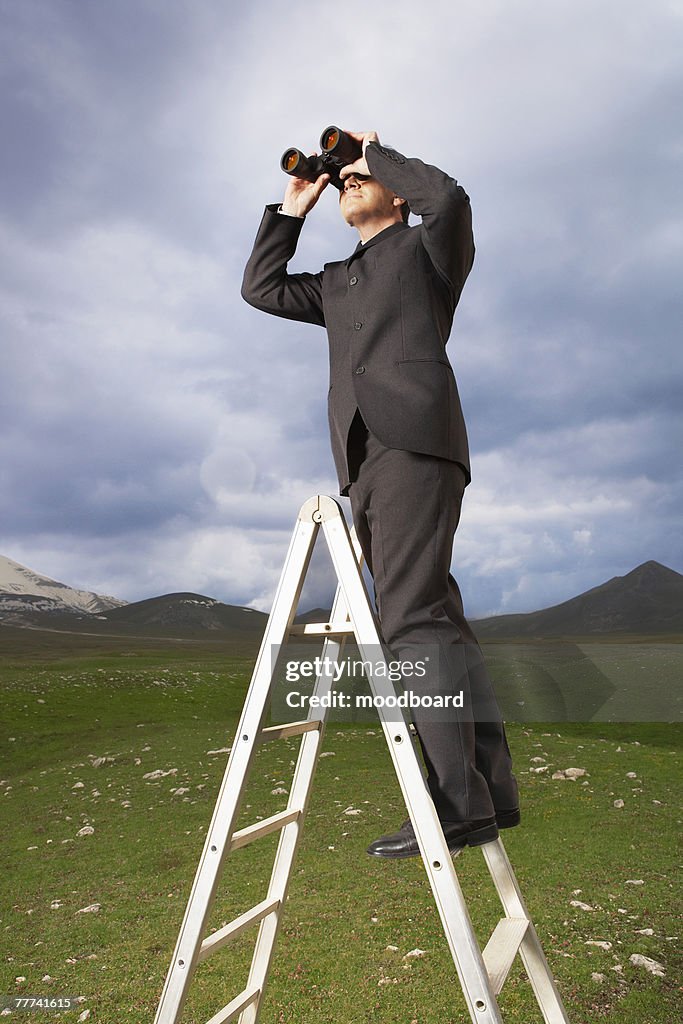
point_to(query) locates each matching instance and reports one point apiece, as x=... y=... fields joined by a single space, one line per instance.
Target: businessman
x=400 y=446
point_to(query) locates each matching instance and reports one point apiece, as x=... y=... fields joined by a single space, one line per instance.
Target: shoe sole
x=508 y=819
x=478 y=837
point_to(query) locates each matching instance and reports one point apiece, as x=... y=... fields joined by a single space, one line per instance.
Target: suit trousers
x=406 y=507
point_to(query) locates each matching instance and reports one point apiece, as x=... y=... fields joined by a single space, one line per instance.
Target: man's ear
x=398 y=201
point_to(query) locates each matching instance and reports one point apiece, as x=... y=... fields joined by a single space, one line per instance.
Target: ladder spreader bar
x=235 y=1006
x=262 y=828
x=281 y=732
x=502 y=948
x=230 y=931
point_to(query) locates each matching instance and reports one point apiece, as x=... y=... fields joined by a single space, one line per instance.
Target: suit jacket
x=388 y=309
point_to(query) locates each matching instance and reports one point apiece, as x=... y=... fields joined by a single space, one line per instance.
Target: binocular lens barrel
x=291 y=160
x=329 y=139
x=341 y=147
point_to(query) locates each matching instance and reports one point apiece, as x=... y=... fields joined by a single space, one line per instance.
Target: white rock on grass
x=328 y=753
x=644 y=931
x=84 y=1016
x=599 y=943
x=221 y=750
x=597 y=977
x=580 y=905
x=619 y=804
x=159 y=773
x=278 y=791
x=634 y=881
x=414 y=953
x=87 y=830
x=94 y=908
x=650 y=965
x=352 y=810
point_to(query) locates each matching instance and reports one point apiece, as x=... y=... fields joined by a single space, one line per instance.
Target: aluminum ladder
x=481 y=974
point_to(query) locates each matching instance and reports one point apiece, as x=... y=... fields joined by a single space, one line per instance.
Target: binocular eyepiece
x=338 y=150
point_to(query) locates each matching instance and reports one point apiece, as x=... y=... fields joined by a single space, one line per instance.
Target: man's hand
x=360 y=166
x=301 y=196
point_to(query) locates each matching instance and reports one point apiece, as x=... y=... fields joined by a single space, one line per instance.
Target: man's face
x=364 y=198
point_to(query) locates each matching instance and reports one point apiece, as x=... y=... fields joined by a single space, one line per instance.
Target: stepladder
x=481 y=973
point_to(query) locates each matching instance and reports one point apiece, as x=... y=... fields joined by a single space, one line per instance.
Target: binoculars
x=338 y=150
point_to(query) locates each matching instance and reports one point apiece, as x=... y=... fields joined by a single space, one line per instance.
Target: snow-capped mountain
x=22 y=591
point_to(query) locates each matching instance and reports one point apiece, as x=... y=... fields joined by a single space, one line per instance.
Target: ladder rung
x=320 y=629
x=219 y=938
x=262 y=828
x=235 y=1006
x=280 y=732
x=501 y=949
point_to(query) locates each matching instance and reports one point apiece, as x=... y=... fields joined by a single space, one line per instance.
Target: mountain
x=31 y=600
x=648 y=600
x=314 y=615
x=25 y=592
x=183 y=615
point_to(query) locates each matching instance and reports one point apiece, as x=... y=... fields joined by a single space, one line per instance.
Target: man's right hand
x=301 y=196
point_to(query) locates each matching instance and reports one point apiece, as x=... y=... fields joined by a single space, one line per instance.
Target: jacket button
x=357 y=326
x=360 y=369
x=353 y=280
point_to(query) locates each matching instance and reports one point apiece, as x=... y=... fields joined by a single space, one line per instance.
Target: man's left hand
x=359 y=166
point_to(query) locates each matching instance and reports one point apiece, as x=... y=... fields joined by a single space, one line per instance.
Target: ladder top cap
x=318 y=508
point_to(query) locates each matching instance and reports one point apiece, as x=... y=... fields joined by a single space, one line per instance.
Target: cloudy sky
x=158 y=434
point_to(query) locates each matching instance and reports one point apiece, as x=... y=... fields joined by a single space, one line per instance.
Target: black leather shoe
x=508 y=819
x=457 y=834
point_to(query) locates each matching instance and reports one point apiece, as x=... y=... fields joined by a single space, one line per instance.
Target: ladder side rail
x=467 y=956
x=231 y=791
x=530 y=950
x=302 y=784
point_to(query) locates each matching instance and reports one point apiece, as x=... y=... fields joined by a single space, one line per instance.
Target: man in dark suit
x=400 y=447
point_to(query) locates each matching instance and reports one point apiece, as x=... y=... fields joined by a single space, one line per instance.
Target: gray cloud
x=159 y=434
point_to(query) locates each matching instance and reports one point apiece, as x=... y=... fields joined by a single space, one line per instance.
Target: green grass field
x=80 y=733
